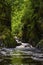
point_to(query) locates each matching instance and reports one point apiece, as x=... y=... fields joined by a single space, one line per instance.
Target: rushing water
x=20 y=57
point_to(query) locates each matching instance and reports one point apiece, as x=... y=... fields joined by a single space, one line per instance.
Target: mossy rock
x=40 y=45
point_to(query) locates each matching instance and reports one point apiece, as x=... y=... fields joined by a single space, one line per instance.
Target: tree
x=18 y=8
x=5 y=13
x=32 y=31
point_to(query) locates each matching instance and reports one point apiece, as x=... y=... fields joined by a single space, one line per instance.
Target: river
x=20 y=56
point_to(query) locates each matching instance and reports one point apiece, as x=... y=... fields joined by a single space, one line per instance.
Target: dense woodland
x=21 y=18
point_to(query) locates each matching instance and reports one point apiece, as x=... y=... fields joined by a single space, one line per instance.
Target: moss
x=6 y=37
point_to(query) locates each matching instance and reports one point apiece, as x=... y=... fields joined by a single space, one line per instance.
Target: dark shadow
x=5 y=14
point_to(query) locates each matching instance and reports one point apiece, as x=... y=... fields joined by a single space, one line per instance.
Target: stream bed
x=18 y=58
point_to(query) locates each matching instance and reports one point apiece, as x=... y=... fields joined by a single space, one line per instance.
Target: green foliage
x=32 y=31
x=9 y=41
x=18 y=8
x=24 y=17
x=5 y=13
x=6 y=37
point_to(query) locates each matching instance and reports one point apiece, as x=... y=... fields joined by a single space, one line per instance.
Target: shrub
x=6 y=37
